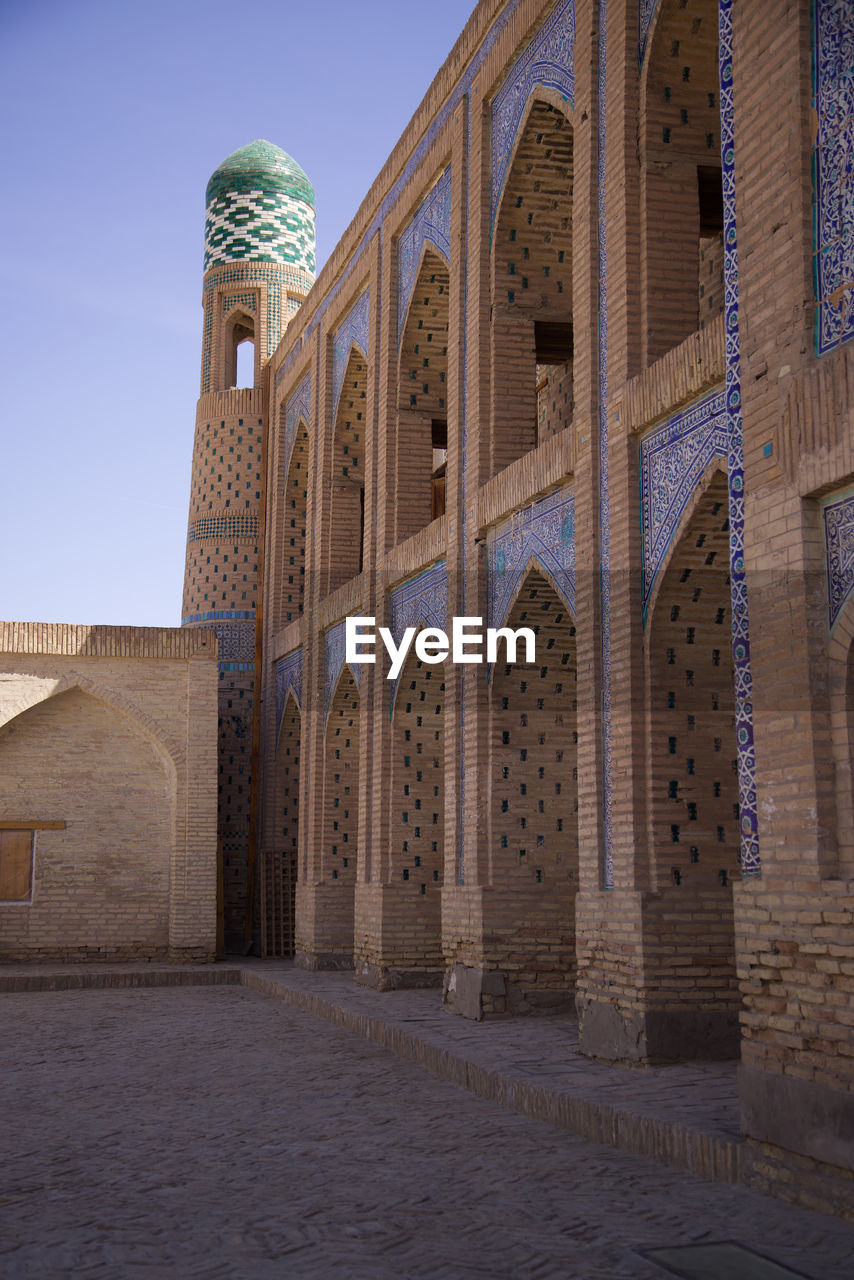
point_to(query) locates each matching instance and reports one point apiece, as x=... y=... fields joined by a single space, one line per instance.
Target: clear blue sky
x=116 y=112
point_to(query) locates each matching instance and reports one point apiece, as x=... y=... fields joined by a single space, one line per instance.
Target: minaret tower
x=259 y=265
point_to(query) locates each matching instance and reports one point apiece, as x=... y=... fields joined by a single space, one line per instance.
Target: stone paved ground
x=213 y=1133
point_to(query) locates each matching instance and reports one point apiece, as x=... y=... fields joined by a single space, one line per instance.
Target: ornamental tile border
x=837 y=518
x=430 y=224
x=544 y=532
x=646 y=13
x=673 y=459
x=297 y=405
x=422 y=600
x=547 y=61
x=354 y=330
x=334 y=640
x=288 y=680
x=750 y=864
x=222 y=527
x=833 y=172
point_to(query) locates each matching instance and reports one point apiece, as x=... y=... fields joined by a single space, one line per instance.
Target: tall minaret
x=259 y=265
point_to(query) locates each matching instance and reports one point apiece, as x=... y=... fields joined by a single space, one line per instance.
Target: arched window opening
x=347 y=508
x=422 y=437
x=534 y=839
x=683 y=192
x=341 y=811
x=694 y=784
x=289 y=585
x=418 y=810
x=278 y=883
x=532 y=330
x=239 y=363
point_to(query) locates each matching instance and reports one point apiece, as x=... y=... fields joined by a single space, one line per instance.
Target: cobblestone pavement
x=216 y=1134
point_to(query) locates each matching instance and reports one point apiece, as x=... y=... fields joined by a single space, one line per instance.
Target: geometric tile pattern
x=544 y=532
x=334 y=653
x=224 y=527
x=646 y=11
x=421 y=601
x=236 y=640
x=298 y=406
x=673 y=458
x=217 y=613
x=833 y=172
x=750 y=865
x=288 y=680
x=246 y=300
x=260 y=207
x=838 y=527
x=604 y=496
x=430 y=222
x=352 y=331
x=546 y=61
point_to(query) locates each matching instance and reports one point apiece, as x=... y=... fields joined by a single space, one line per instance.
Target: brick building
x=581 y=363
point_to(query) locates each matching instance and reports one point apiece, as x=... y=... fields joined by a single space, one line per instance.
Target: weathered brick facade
x=581 y=362
x=107 y=793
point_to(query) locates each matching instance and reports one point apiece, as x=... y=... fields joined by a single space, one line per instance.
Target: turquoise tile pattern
x=260 y=208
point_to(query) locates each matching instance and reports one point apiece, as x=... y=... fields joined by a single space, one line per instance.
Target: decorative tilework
x=673 y=458
x=352 y=331
x=838 y=524
x=260 y=206
x=750 y=864
x=547 y=61
x=646 y=13
x=833 y=172
x=236 y=641
x=289 y=361
x=250 y=273
x=420 y=601
x=225 y=528
x=245 y=300
x=458 y=95
x=604 y=496
x=217 y=613
x=545 y=532
x=298 y=406
x=431 y=223
x=334 y=649
x=235 y=666
x=288 y=680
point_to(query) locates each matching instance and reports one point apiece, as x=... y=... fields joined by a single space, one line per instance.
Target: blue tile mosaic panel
x=353 y=331
x=225 y=528
x=334 y=652
x=673 y=459
x=544 y=532
x=838 y=527
x=236 y=641
x=546 y=61
x=288 y=680
x=431 y=223
x=750 y=864
x=420 y=601
x=833 y=172
x=298 y=406
x=215 y=614
x=646 y=13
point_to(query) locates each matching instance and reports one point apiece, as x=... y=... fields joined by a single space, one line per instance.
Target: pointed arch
x=345 y=542
x=532 y=335
x=533 y=842
x=238 y=327
x=716 y=468
x=694 y=819
x=680 y=126
x=170 y=751
x=422 y=421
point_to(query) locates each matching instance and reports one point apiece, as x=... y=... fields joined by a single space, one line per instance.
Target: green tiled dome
x=260 y=164
x=260 y=208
